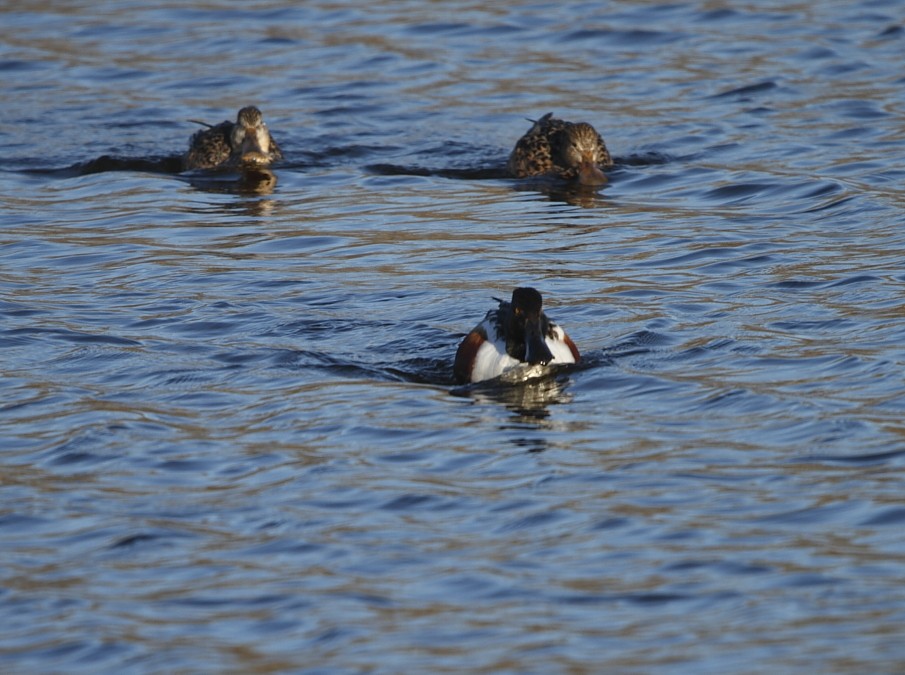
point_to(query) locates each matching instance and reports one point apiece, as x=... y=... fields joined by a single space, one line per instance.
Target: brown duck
x=243 y=143
x=570 y=150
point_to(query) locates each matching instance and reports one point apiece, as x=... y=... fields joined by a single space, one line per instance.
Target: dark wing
x=532 y=155
x=466 y=354
x=209 y=148
x=572 y=347
x=274 y=148
x=604 y=159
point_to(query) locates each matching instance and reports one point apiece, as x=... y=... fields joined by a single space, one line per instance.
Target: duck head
x=250 y=139
x=576 y=147
x=527 y=325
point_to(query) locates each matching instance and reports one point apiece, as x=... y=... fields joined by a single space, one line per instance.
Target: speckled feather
x=533 y=154
x=211 y=148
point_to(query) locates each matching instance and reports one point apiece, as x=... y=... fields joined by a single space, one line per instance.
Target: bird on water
x=568 y=150
x=244 y=143
x=516 y=332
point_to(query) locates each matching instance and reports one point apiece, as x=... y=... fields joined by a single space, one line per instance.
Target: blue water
x=231 y=440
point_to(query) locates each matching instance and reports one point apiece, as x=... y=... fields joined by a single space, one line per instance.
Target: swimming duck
x=569 y=150
x=233 y=144
x=516 y=332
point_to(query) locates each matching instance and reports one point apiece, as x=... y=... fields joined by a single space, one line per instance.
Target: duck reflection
x=252 y=184
x=539 y=444
x=573 y=194
x=257 y=181
x=529 y=399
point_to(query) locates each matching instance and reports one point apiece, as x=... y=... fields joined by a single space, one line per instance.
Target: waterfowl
x=516 y=332
x=570 y=150
x=245 y=142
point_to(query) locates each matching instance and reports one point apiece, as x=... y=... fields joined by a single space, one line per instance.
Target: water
x=230 y=435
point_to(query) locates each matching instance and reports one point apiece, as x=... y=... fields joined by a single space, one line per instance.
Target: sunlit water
x=231 y=439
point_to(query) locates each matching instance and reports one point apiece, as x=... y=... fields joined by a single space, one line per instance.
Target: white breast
x=492 y=360
x=558 y=347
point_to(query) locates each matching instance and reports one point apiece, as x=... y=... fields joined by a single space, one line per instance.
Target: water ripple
x=230 y=425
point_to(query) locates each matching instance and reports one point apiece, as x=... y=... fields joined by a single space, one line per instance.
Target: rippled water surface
x=231 y=441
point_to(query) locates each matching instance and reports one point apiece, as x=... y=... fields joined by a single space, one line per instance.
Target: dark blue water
x=231 y=441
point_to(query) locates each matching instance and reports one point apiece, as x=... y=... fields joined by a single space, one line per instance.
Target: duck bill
x=251 y=151
x=536 y=349
x=589 y=173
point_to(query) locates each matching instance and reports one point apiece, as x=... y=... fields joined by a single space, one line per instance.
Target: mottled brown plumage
x=569 y=150
x=245 y=142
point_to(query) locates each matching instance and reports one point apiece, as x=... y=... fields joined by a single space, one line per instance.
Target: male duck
x=569 y=150
x=516 y=332
x=245 y=142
